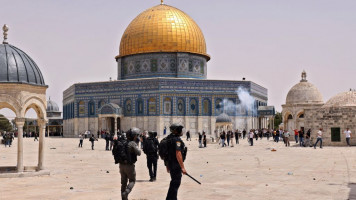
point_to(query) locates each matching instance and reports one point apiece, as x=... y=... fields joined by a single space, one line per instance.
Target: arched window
x=218 y=107
x=128 y=107
x=167 y=106
x=139 y=107
x=193 y=107
x=290 y=117
x=180 y=107
x=81 y=108
x=91 y=108
x=206 y=107
x=152 y=106
x=301 y=115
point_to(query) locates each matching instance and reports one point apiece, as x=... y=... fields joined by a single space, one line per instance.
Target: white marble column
x=42 y=126
x=115 y=131
x=20 y=122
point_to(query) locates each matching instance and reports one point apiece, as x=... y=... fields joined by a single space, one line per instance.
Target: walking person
x=150 y=148
x=319 y=138
x=296 y=135
x=251 y=134
x=204 y=139
x=107 y=140
x=244 y=134
x=222 y=136
x=92 y=139
x=277 y=135
x=188 y=136
x=175 y=161
x=127 y=170
x=286 y=138
x=200 y=140
x=81 y=138
x=111 y=141
x=228 y=136
x=348 y=136
x=237 y=136
x=301 y=137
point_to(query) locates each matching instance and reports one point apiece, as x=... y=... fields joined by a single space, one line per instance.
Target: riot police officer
x=174 y=163
x=127 y=170
x=150 y=148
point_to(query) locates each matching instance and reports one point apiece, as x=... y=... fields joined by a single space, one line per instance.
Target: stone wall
x=333 y=117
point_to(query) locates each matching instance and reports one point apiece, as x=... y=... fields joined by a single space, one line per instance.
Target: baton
x=193 y=178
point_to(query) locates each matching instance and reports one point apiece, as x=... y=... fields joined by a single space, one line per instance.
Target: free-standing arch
x=7 y=101
x=20 y=98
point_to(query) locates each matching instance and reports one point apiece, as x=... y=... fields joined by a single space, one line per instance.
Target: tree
x=277 y=120
x=5 y=124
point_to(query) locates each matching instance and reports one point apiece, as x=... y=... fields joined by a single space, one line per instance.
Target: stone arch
x=37 y=104
x=7 y=101
x=299 y=113
x=288 y=120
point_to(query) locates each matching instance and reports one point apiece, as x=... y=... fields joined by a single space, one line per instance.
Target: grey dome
x=52 y=106
x=223 y=118
x=17 y=67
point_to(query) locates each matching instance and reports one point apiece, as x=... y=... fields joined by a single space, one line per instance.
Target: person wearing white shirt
x=319 y=138
x=286 y=137
x=251 y=134
x=348 y=136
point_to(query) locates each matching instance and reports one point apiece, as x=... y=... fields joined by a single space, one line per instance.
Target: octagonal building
x=161 y=79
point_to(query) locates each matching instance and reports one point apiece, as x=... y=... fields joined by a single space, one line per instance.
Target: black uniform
x=150 y=148
x=174 y=167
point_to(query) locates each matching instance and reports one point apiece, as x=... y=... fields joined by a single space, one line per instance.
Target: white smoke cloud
x=246 y=104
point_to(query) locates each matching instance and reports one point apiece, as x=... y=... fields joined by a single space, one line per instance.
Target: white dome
x=304 y=93
x=344 y=99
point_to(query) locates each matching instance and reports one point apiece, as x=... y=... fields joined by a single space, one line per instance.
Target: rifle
x=193 y=179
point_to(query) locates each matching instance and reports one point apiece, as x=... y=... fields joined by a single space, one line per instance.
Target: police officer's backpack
x=163 y=147
x=120 y=152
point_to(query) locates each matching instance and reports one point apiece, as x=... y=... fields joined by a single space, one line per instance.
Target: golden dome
x=162 y=28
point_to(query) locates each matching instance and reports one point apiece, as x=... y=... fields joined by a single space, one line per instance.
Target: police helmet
x=135 y=131
x=176 y=127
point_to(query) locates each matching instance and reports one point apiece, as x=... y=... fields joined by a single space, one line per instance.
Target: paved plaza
x=241 y=172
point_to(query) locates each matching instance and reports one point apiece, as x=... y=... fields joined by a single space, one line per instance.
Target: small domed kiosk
x=223 y=123
x=22 y=87
x=301 y=97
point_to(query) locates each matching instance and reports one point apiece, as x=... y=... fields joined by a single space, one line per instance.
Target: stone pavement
x=241 y=172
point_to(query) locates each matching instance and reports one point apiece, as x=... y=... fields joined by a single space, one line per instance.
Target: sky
x=268 y=42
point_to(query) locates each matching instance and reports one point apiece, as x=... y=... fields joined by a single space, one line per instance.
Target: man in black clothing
x=150 y=148
x=237 y=136
x=243 y=134
x=204 y=139
x=107 y=139
x=200 y=140
x=188 y=136
x=174 y=163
